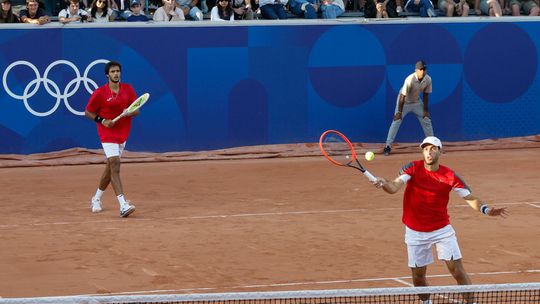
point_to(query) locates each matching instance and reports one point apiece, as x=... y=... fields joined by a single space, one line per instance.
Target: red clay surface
x=250 y=225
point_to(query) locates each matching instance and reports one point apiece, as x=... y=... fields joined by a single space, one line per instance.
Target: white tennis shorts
x=419 y=246
x=113 y=149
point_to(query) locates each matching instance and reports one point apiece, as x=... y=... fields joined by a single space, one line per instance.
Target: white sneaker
x=126 y=210
x=399 y=9
x=96 y=205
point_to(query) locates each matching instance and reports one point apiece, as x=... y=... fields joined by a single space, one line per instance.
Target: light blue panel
x=283 y=73
x=14 y=116
x=347 y=46
x=152 y=127
x=482 y=119
x=208 y=92
x=364 y=123
x=463 y=33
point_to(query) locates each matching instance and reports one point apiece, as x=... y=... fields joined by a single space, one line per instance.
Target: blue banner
x=224 y=86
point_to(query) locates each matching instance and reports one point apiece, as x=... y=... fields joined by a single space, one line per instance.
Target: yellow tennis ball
x=370 y=156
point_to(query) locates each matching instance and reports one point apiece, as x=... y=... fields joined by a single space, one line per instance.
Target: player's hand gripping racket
x=134 y=106
x=340 y=152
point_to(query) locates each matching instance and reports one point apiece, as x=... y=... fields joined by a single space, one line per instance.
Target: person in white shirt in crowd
x=168 y=12
x=101 y=12
x=222 y=11
x=73 y=14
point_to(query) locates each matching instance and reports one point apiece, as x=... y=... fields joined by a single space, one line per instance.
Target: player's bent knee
x=113 y=162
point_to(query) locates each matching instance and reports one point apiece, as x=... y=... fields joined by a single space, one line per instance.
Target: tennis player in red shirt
x=105 y=104
x=425 y=213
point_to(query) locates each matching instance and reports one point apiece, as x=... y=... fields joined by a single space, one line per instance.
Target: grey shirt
x=412 y=88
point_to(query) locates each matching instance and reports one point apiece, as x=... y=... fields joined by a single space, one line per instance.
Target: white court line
x=396 y=279
x=404 y=282
x=534 y=204
x=225 y=216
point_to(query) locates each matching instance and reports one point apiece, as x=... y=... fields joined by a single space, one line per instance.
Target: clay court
x=266 y=223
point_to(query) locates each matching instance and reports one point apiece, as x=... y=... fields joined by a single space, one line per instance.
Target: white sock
x=122 y=201
x=99 y=193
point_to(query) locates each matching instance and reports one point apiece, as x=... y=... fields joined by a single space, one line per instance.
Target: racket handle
x=370 y=176
x=120 y=116
x=117 y=118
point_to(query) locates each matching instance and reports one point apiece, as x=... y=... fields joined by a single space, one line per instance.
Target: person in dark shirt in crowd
x=136 y=14
x=34 y=14
x=7 y=15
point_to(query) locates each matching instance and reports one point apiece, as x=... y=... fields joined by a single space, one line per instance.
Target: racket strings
x=337 y=149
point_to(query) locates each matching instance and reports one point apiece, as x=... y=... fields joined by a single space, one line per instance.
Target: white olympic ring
x=33 y=86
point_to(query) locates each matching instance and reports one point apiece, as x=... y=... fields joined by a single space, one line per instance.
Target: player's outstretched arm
x=389 y=187
x=478 y=205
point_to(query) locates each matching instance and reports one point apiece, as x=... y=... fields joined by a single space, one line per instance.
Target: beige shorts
x=419 y=246
x=113 y=149
x=525 y=6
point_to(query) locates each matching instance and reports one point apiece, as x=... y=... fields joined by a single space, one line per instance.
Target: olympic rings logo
x=52 y=88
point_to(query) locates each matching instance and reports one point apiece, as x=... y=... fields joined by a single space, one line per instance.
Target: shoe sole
x=128 y=212
x=97 y=210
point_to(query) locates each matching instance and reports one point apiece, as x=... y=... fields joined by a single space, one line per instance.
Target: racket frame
x=144 y=97
x=354 y=157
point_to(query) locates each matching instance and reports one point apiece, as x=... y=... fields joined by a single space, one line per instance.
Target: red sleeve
x=95 y=102
x=459 y=183
x=133 y=95
x=407 y=169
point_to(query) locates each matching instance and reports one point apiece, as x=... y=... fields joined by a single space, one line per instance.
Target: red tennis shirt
x=108 y=105
x=427 y=194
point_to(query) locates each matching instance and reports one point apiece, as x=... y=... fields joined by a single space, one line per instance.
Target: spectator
x=409 y=100
x=304 y=8
x=101 y=12
x=380 y=9
x=423 y=7
x=529 y=7
x=331 y=9
x=7 y=15
x=488 y=7
x=121 y=8
x=73 y=14
x=190 y=9
x=454 y=8
x=242 y=9
x=168 y=12
x=222 y=11
x=273 y=9
x=33 y=14
x=399 y=6
x=136 y=14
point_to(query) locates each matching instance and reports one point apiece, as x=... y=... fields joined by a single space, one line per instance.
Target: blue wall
x=217 y=87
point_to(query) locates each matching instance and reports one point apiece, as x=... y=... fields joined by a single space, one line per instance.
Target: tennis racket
x=340 y=152
x=134 y=106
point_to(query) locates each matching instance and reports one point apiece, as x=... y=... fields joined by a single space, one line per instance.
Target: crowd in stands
x=79 y=11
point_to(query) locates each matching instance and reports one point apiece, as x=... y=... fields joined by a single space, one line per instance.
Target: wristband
x=485 y=209
x=99 y=119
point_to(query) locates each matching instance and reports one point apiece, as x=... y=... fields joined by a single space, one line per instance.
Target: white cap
x=432 y=140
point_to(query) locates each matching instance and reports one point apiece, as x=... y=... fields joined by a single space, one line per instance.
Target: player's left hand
x=502 y=212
